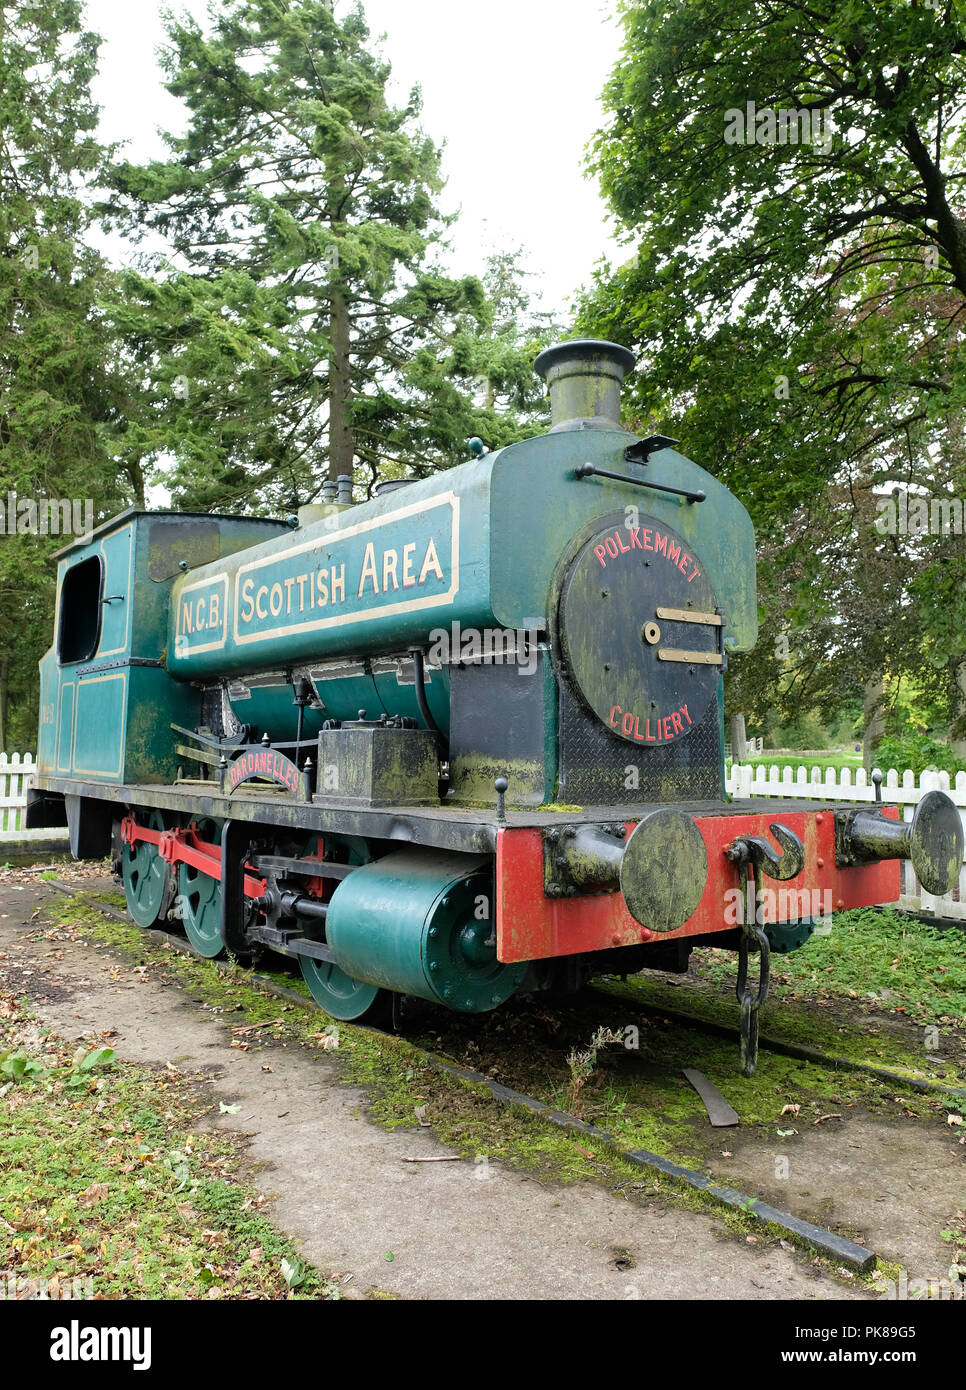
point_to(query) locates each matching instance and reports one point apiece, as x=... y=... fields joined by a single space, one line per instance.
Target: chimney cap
x=584 y=378
x=590 y=350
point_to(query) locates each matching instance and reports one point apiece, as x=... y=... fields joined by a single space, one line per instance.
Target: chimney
x=584 y=380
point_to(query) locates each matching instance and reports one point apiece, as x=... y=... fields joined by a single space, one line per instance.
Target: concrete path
x=337 y=1184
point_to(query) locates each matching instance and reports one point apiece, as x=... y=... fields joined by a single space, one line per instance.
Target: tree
x=301 y=326
x=793 y=180
x=61 y=398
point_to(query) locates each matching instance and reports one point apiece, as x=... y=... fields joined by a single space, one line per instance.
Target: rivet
x=821 y=863
x=615 y=940
x=840 y=904
x=434 y=931
x=494 y=999
x=819 y=818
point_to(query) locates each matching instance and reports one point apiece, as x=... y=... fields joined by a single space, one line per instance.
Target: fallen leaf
x=95 y=1193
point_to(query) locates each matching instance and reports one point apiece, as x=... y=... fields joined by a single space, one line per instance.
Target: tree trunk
x=958 y=727
x=873 y=718
x=4 y=698
x=341 y=440
x=739 y=742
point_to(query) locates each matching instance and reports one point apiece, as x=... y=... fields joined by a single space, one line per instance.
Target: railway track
x=841 y=1249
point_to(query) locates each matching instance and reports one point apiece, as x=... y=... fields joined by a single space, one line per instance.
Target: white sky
x=511 y=86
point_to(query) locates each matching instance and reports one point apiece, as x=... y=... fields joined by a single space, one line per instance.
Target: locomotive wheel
x=335 y=991
x=199 y=897
x=148 y=886
x=338 y=993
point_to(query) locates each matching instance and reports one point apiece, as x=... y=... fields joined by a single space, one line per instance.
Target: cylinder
x=421 y=923
x=584 y=380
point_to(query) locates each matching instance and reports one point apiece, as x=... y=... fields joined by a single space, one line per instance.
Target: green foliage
x=801 y=731
x=128 y=1191
x=302 y=327
x=918 y=752
x=63 y=400
x=799 y=309
x=19 y=1066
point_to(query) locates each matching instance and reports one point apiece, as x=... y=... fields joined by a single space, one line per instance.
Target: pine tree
x=61 y=409
x=301 y=328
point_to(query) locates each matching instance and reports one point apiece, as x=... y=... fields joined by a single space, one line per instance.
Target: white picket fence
x=743 y=782
x=16 y=771
x=842 y=784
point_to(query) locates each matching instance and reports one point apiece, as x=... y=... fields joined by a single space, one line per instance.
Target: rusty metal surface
x=531 y=926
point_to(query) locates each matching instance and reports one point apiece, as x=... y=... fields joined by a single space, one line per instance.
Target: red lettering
x=610 y=545
x=684 y=562
x=627 y=724
x=615 y=711
x=673 y=551
x=649 y=737
x=635 y=534
x=694 y=574
x=660 y=543
x=637 y=729
x=599 y=552
x=676 y=723
x=666 y=721
x=684 y=711
x=624 y=548
x=645 y=543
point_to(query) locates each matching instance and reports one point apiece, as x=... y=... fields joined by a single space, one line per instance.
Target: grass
x=637 y=1095
x=876 y=955
x=768 y=758
x=105 y=1175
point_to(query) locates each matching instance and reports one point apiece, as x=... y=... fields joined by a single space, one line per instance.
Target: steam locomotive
x=461 y=740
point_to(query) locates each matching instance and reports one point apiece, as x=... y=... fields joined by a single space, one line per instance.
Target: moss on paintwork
x=473 y=778
x=559 y=806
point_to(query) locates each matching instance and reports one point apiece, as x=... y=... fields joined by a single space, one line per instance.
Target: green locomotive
x=460 y=740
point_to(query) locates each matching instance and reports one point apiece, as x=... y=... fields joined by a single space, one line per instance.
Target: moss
x=638 y=1097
